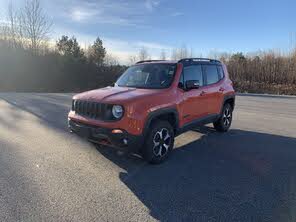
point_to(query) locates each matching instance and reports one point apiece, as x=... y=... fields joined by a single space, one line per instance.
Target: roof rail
x=198 y=60
x=149 y=61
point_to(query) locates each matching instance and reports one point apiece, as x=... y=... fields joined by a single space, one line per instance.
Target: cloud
x=175 y=14
x=83 y=14
x=153 y=45
x=151 y=4
x=106 y=12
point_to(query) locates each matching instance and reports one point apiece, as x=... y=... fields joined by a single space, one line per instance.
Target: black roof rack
x=199 y=60
x=149 y=61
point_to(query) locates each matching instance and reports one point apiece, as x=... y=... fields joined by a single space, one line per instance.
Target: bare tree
x=132 y=59
x=110 y=60
x=174 y=54
x=191 y=53
x=183 y=52
x=15 y=28
x=36 y=25
x=143 y=54
x=180 y=53
x=163 y=55
x=3 y=31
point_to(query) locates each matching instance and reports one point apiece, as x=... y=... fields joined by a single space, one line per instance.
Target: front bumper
x=105 y=136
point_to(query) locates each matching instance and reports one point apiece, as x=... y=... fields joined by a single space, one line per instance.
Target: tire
x=224 y=122
x=161 y=133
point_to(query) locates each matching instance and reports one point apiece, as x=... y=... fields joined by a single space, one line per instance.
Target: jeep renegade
x=154 y=101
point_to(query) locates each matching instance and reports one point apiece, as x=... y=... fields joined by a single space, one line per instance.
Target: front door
x=193 y=103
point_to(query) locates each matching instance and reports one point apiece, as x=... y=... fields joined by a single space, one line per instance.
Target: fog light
x=117 y=131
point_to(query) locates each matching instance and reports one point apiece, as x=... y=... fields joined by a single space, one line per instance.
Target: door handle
x=221 y=89
x=202 y=93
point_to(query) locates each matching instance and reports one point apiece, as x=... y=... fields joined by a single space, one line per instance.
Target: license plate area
x=85 y=132
x=98 y=133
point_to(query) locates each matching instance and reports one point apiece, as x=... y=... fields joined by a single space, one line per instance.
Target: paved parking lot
x=48 y=174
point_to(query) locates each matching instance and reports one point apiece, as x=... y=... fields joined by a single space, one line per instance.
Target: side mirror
x=192 y=84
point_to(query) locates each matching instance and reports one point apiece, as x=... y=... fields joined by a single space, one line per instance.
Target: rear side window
x=211 y=74
x=193 y=72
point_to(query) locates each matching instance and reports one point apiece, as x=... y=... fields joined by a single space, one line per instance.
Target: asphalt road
x=48 y=174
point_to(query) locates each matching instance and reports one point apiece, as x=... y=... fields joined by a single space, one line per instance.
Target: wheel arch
x=167 y=114
x=228 y=99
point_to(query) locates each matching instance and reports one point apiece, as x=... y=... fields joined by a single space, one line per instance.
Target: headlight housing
x=117 y=111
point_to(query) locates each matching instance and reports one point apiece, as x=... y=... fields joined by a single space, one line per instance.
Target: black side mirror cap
x=180 y=85
x=192 y=84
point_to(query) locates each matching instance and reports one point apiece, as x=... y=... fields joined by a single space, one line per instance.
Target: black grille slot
x=88 y=109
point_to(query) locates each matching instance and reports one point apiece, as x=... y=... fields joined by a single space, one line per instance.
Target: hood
x=115 y=94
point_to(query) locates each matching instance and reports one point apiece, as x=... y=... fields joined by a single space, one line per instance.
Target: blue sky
x=204 y=26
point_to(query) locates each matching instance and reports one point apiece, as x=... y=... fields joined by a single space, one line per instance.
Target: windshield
x=152 y=76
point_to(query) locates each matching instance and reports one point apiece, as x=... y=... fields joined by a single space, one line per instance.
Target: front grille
x=88 y=109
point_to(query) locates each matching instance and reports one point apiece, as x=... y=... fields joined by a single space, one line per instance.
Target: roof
x=158 y=61
x=185 y=60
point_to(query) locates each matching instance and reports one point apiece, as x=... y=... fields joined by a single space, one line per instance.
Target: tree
x=132 y=59
x=183 y=52
x=180 y=53
x=174 y=54
x=69 y=47
x=97 y=52
x=110 y=60
x=143 y=54
x=4 y=33
x=28 y=27
x=163 y=55
x=35 y=24
x=238 y=57
x=14 y=28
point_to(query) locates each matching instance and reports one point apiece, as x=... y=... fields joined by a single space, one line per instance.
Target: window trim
x=223 y=74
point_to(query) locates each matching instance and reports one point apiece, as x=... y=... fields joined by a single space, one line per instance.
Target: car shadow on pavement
x=235 y=176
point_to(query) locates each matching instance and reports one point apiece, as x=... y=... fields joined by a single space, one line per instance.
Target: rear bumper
x=105 y=136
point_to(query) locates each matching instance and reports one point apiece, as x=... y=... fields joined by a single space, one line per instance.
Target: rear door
x=213 y=88
x=193 y=102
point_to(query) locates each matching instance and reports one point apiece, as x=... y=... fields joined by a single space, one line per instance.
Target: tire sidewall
x=148 y=153
x=227 y=105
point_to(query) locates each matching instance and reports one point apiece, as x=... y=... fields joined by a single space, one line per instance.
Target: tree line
x=266 y=72
x=29 y=61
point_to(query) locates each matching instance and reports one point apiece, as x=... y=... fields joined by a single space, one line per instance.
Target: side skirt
x=198 y=122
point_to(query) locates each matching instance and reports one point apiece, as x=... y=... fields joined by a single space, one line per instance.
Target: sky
x=204 y=27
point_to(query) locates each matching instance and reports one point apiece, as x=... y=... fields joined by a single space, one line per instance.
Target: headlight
x=117 y=111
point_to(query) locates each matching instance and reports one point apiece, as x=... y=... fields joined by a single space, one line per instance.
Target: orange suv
x=154 y=101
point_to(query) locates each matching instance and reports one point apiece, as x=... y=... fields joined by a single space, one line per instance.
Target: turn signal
x=117 y=131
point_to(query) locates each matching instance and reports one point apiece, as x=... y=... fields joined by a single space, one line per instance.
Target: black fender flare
x=227 y=97
x=160 y=112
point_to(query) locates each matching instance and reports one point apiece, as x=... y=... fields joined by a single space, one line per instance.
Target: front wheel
x=159 y=142
x=224 y=122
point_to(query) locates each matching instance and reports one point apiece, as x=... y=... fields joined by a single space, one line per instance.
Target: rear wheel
x=224 y=122
x=159 y=142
